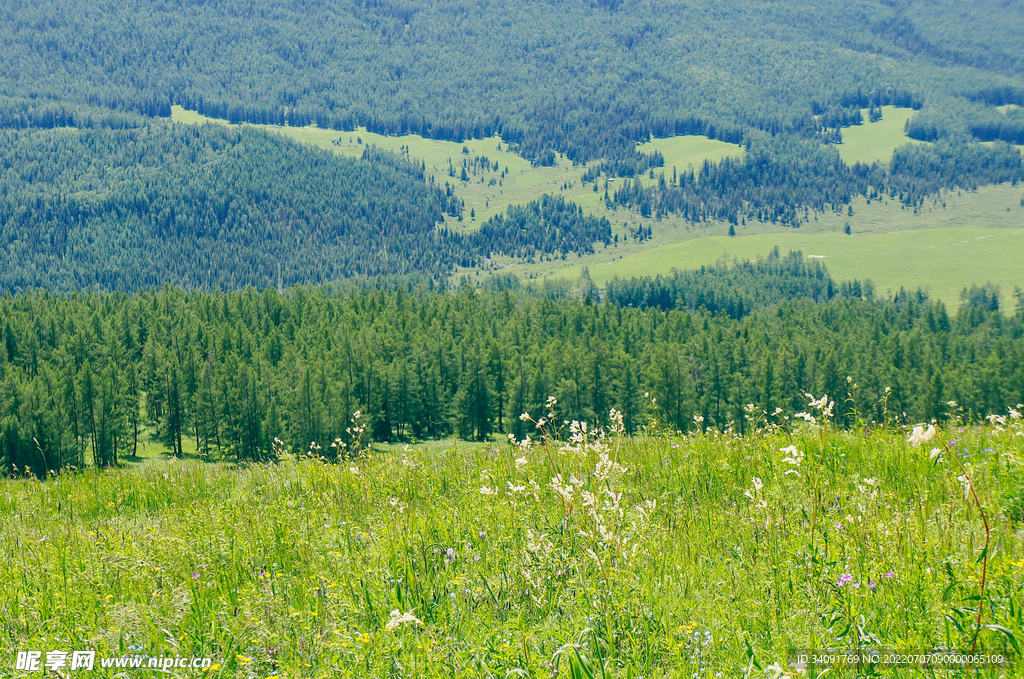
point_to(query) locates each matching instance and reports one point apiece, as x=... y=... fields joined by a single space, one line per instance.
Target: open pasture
x=870 y=142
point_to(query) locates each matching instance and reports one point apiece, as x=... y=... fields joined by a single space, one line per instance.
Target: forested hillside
x=215 y=208
x=125 y=203
x=586 y=77
x=226 y=374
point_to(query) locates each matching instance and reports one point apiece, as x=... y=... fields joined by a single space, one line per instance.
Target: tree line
x=783 y=181
x=84 y=377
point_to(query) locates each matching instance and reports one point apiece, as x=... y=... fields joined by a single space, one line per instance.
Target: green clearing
x=870 y=142
x=891 y=245
x=942 y=261
x=652 y=554
x=487 y=193
x=686 y=153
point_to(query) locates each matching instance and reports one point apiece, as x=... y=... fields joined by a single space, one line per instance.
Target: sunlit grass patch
x=870 y=142
x=661 y=555
x=685 y=153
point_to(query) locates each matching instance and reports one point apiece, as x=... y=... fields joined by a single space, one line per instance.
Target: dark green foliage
x=581 y=77
x=584 y=77
x=226 y=373
x=735 y=290
x=550 y=225
x=217 y=208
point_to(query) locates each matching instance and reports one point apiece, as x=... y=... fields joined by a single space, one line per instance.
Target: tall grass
x=654 y=556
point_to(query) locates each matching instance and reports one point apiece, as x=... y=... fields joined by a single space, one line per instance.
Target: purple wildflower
x=844 y=579
x=890 y=574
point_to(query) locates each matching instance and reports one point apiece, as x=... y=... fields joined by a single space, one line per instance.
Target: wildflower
x=514 y=490
x=524 y=417
x=486 y=490
x=521 y=462
x=872 y=585
x=921 y=435
x=806 y=417
x=615 y=417
x=564 y=490
x=793 y=457
x=398 y=619
x=450 y=555
x=844 y=579
x=891 y=574
x=195 y=576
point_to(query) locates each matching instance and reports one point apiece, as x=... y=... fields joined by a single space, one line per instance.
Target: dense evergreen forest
x=586 y=77
x=216 y=208
x=84 y=375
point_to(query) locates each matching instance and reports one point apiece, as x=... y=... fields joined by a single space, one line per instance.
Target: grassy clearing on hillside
x=522 y=181
x=924 y=249
x=686 y=153
x=657 y=556
x=870 y=142
x=943 y=261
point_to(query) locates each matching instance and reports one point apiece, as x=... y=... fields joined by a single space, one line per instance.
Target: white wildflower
x=794 y=456
x=398 y=619
x=921 y=435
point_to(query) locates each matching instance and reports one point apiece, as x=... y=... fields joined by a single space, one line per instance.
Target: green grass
x=977 y=237
x=704 y=553
x=523 y=181
x=942 y=261
x=687 y=153
x=870 y=142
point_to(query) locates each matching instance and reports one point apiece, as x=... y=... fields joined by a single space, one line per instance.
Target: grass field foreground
x=595 y=556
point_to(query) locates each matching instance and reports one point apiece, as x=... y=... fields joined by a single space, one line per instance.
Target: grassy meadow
x=686 y=152
x=961 y=238
x=942 y=261
x=490 y=191
x=874 y=142
x=584 y=554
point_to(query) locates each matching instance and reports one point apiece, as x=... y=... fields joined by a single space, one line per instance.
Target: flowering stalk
x=920 y=435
